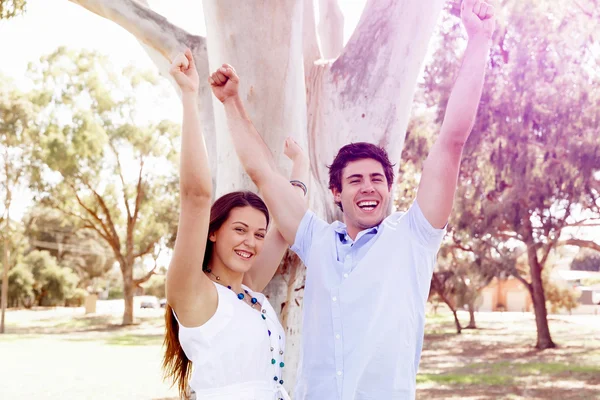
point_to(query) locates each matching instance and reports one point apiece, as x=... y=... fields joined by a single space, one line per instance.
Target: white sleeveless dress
x=238 y=353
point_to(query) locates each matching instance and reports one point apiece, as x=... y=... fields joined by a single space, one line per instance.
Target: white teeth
x=243 y=254
x=367 y=203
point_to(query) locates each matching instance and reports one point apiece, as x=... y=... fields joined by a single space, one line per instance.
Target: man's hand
x=478 y=18
x=292 y=150
x=183 y=70
x=224 y=83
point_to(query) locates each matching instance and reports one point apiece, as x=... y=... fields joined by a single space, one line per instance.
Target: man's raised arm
x=283 y=202
x=440 y=172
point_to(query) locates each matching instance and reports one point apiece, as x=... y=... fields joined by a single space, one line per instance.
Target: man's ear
x=337 y=196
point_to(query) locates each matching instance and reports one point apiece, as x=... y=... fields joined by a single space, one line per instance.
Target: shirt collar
x=341 y=229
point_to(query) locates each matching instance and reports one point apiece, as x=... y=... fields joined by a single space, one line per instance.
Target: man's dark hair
x=354 y=152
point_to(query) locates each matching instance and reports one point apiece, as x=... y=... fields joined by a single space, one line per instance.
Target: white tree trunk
x=364 y=95
x=263 y=41
x=331 y=28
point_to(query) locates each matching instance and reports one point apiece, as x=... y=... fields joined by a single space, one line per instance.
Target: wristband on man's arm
x=299 y=184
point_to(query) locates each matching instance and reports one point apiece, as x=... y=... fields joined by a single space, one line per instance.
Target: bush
x=115 y=292
x=155 y=286
x=53 y=284
x=77 y=298
x=20 y=286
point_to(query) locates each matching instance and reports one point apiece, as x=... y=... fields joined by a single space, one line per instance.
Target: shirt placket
x=337 y=337
x=337 y=323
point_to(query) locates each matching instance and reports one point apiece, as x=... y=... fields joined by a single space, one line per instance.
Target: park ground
x=63 y=354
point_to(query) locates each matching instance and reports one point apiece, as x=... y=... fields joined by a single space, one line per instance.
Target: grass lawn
x=498 y=360
x=61 y=353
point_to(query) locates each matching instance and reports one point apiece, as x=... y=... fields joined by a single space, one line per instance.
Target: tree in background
x=82 y=250
x=53 y=284
x=586 y=260
x=529 y=173
x=11 y=8
x=16 y=148
x=103 y=169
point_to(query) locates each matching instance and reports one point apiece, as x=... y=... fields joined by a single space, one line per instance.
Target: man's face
x=365 y=195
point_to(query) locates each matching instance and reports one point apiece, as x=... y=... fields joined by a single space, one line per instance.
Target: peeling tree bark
x=367 y=93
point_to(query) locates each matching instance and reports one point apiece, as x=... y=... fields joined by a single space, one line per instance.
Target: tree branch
x=589 y=244
x=112 y=147
x=516 y=274
x=331 y=28
x=100 y=200
x=367 y=93
x=145 y=278
x=87 y=223
x=310 y=43
x=147 y=250
x=90 y=211
x=146 y=25
x=138 y=196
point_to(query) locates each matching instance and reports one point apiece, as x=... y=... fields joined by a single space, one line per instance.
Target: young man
x=367 y=278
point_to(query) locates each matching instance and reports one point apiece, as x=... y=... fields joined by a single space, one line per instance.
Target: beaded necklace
x=253 y=302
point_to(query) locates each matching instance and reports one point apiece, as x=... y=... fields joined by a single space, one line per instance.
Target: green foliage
x=82 y=250
x=77 y=298
x=20 y=286
x=115 y=292
x=558 y=296
x=115 y=175
x=11 y=8
x=53 y=284
x=531 y=165
x=586 y=260
x=111 y=174
x=155 y=286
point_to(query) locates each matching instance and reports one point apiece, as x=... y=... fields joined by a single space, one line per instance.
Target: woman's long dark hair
x=176 y=365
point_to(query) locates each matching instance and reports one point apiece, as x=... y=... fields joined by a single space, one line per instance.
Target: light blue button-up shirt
x=364 y=306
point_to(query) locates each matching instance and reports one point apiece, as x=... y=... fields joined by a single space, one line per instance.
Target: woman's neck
x=225 y=276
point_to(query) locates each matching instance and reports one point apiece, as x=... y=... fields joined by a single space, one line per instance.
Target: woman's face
x=240 y=239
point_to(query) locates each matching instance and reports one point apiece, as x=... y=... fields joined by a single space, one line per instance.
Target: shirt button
x=337 y=336
x=339 y=373
x=345 y=275
x=334 y=298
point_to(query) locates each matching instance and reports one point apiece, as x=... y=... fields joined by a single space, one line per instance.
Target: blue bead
x=281 y=364
x=273 y=361
x=275 y=379
x=269 y=332
x=263 y=315
x=246 y=291
x=228 y=287
x=241 y=296
x=208 y=270
x=254 y=300
x=281 y=382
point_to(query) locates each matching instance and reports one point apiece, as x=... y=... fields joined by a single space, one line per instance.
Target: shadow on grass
x=87 y=323
x=511 y=373
x=123 y=340
x=506 y=392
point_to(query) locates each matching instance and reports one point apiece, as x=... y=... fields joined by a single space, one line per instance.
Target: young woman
x=223 y=337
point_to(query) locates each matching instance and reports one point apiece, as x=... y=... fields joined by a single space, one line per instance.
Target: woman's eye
x=241 y=230
x=260 y=235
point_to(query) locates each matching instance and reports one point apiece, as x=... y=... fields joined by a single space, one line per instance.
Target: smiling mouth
x=367 y=205
x=244 y=254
